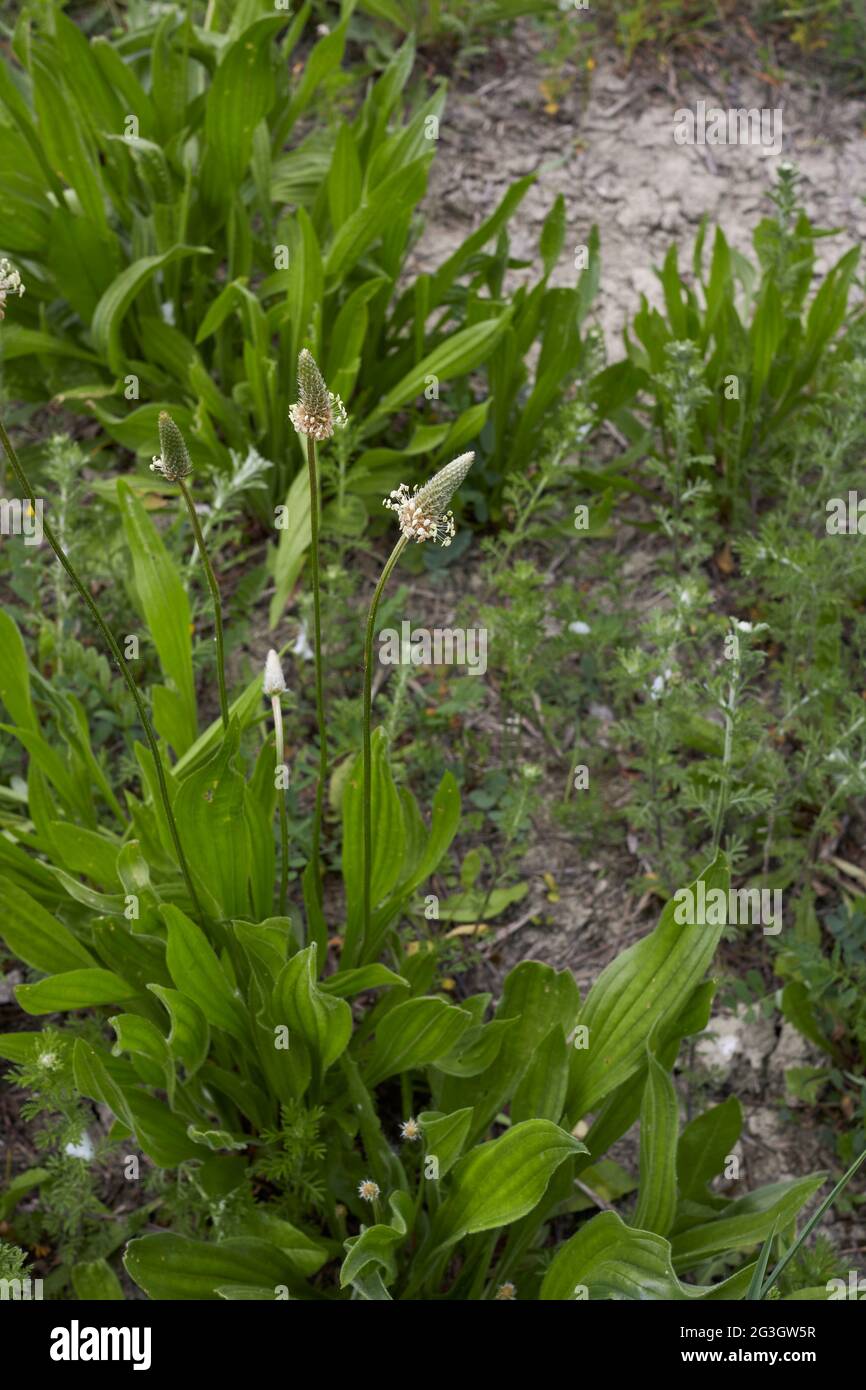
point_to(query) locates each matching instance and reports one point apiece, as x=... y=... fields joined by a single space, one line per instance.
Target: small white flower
x=83 y=1149
x=506 y=1293
x=659 y=685
x=743 y=626
x=302 y=646
x=48 y=1060
x=10 y=283
x=579 y=629
x=274 y=682
x=410 y=1129
x=368 y=1190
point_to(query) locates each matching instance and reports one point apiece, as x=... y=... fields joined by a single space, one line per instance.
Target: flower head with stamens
x=10 y=283
x=423 y=514
x=506 y=1293
x=410 y=1129
x=274 y=682
x=173 y=461
x=318 y=411
x=368 y=1190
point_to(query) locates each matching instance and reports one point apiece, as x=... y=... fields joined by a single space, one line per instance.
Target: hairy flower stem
x=284 y=820
x=725 y=783
x=215 y=595
x=317 y=643
x=368 y=706
x=120 y=662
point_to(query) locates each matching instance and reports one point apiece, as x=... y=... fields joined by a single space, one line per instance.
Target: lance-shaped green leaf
x=198 y=974
x=114 y=304
x=94 y=1281
x=414 y=1034
x=165 y=607
x=160 y=1133
x=14 y=671
x=444 y=820
x=74 y=989
x=323 y=1021
x=607 y=1259
x=350 y=982
x=174 y=1267
x=535 y=996
x=461 y=353
x=541 y=1093
x=149 y=1050
x=210 y=812
x=622 y=1107
x=444 y=1136
x=476 y=1050
x=34 y=936
x=745 y=1222
x=93 y=1079
x=639 y=991
x=306 y=1254
x=378 y=1245
x=705 y=1144
x=368 y=223
x=87 y=852
x=163 y=1135
x=240 y=95
x=500 y=1181
x=659 y=1125
x=388 y=828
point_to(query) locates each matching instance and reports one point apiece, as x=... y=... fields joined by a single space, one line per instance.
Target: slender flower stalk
x=367 y=744
x=273 y=685
x=369 y=1191
x=174 y=463
x=119 y=660
x=315 y=416
x=423 y=515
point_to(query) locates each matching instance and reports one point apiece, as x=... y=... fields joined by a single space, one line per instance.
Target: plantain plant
x=184 y=240
x=742 y=355
x=350 y=1130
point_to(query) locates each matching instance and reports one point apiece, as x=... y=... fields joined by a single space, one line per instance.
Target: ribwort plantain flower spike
x=274 y=682
x=173 y=461
x=10 y=283
x=318 y=411
x=422 y=513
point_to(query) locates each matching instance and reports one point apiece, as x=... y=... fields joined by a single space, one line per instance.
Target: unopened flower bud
x=274 y=682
